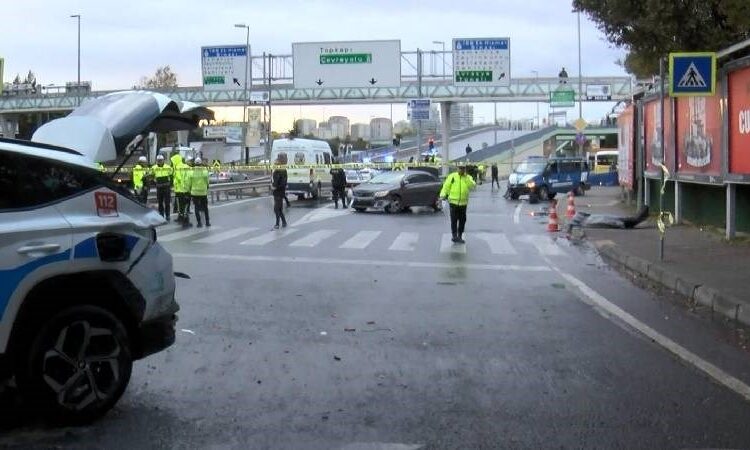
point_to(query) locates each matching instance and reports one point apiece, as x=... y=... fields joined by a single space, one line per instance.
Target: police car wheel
x=360 y=209
x=79 y=365
x=395 y=206
x=543 y=194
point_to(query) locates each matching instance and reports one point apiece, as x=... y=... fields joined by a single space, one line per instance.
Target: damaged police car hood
x=101 y=128
x=521 y=178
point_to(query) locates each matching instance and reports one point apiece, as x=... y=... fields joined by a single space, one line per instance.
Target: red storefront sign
x=739 y=121
x=652 y=122
x=626 y=152
x=699 y=135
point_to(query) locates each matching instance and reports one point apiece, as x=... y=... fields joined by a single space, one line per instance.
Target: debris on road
x=350 y=329
x=323 y=333
x=371 y=322
x=185 y=330
x=337 y=358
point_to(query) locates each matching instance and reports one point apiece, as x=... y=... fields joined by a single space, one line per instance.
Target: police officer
x=181 y=190
x=175 y=160
x=278 y=189
x=338 y=182
x=162 y=177
x=480 y=174
x=188 y=199
x=140 y=170
x=456 y=190
x=199 y=191
x=495 y=176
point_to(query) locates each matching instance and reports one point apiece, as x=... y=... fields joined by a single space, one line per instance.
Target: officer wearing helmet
x=140 y=175
x=199 y=191
x=163 y=177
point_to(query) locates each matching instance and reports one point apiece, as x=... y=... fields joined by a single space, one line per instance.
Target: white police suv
x=85 y=288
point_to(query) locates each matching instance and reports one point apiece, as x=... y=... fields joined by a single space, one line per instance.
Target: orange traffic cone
x=571 y=211
x=553 y=226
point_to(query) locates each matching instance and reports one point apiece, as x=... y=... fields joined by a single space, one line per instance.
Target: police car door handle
x=39 y=248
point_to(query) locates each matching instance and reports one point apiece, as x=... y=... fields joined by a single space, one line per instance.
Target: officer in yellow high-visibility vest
x=163 y=178
x=181 y=191
x=175 y=160
x=139 y=173
x=101 y=167
x=199 y=191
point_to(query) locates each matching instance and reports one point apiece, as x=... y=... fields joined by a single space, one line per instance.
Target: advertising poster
x=739 y=121
x=699 y=135
x=626 y=153
x=654 y=156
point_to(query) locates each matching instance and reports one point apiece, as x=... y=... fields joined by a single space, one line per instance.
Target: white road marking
x=320 y=214
x=365 y=262
x=517 y=214
x=448 y=246
x=543 y=244
x=405 y=242
x=229 y=234
x=361 y=240
x=314 y=238
x=238 y=202
x=271 y=236
x=184 y=233
x=498 y=243
x=609 y=309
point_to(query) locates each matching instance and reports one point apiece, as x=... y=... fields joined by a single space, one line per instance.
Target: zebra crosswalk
x=398 y=242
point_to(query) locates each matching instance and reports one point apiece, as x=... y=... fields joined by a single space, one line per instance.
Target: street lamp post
x=244 y=108
x=442 y=43
x=78 y=80
x=536 y=78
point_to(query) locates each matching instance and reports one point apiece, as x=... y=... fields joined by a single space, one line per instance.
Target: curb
x=726 y=305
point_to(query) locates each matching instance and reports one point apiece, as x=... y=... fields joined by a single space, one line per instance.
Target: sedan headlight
x=381 y=194
x=531 y=185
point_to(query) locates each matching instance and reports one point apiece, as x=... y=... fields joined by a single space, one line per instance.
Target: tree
x=360 y=144
x=334 y=144
x=650 y=30
x=164 y=78
x=294 y=131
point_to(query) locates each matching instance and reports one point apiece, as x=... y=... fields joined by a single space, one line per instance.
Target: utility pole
x=244 y=108
x=580 y=75
x=419 y=94
x=268 y=131
x=78 y=80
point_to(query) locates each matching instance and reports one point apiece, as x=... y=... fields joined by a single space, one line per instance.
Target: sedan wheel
x=395 y=206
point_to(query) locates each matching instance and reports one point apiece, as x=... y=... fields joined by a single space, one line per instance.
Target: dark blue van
x=541 y=178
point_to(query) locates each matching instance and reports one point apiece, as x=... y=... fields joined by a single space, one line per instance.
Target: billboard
x=223 y=67
x=625 y=147
x=652 y=129
x=352 y=64
x=739 y=121
x=598 y=92
x=481 y=62
x=699 y=135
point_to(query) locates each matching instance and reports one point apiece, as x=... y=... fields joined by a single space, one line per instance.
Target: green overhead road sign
x=346 y=58
x=480 y=76
x=562 y=98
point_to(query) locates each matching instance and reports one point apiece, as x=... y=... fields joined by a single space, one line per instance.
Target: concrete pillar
x=8 y=125
x=646 y=191
x=677 y=202
x=731 y=227
x=445 y=116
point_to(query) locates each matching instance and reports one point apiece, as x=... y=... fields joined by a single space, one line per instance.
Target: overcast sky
x=124 y=40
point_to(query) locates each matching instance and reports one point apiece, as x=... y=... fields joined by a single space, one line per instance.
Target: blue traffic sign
x=419 y=109
x=692 y=74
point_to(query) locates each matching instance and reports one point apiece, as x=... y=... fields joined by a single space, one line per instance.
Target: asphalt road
x=367 y=331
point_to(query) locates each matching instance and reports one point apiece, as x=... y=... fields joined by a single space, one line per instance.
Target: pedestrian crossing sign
x=692 y=74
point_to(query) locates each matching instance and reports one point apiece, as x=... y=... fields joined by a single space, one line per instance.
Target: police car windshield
x=387 y=178
x=530 y=167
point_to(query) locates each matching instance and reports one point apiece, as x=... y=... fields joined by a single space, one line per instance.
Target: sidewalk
x=697 y=264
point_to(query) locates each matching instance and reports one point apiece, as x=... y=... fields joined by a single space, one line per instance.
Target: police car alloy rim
x=83 y=366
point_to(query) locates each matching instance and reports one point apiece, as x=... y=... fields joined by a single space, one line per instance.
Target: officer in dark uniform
x=338 y=182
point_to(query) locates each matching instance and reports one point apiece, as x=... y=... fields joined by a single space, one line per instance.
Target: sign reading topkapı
x=481 y=62
x=353 y=64
x=224 y=67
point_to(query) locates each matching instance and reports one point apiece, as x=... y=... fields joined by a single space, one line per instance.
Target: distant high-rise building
x=462 y=116
x=324 y=132
x=360 y=131
x=306 y=126
x=339 y=126
x=381 y=130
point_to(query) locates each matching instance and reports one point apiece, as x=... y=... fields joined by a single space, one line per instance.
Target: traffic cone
x=571 y=211
x=553 y=226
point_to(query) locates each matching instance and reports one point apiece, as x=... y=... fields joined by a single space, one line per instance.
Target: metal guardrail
x=238 y=190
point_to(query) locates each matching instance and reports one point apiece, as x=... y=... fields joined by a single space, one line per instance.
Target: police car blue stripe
x=86 y=249
x=11 y=278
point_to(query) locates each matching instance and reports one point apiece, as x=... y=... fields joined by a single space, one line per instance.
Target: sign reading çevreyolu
x=739 y=121
x=352 y=64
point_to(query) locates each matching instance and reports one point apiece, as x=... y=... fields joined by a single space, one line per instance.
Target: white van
x=306 y=182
